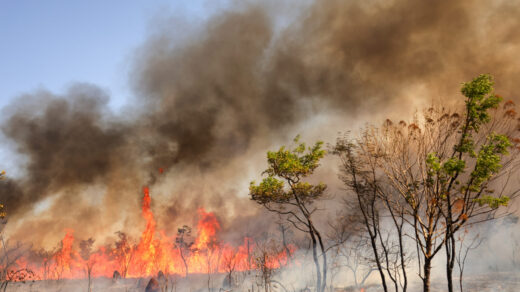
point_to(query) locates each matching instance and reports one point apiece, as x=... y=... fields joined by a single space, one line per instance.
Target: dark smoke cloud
x=66 y=143
x=206 y=97
x=244 y=84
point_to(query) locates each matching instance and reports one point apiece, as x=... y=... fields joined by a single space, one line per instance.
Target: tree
x=343 y=229
x=123 y=253
x=184 y=243
x=3 y=214
x=360 y=173
x=463 y=252
x=284 y=192
x=446 y=169
x=478 y=160
x=9 y=269
x=266 y=254
x=229 y=261
x=44 y=257
x=285 y=232
x=85 y=247
x=211 y=250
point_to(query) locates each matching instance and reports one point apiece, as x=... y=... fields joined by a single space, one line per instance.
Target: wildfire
x=154 y=252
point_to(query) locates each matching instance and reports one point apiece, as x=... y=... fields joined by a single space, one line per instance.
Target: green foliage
x=492 y=202
x=294 y=163
x=488 y=159
x=453 y=166
x=433 y=162
x=478 y=87
x=479 y=101
x=269 y=190
x=448 y=168
x=291 y=165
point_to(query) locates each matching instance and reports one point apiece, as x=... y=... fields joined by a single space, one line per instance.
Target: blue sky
x=53 y=43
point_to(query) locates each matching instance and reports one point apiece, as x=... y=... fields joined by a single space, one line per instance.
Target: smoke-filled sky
x=207 y=91
x=54 y=43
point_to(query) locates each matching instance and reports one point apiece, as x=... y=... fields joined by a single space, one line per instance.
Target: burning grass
x=154 y=253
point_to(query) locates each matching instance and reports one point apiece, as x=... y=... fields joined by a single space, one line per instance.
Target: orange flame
x=154 y=252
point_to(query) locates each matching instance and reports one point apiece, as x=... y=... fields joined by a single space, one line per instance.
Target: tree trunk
x=403 y=266
x=450 y=259
x=89 y=280
x=316 y=262
x=427 y=273
x=185 y=263
x=378 y=262
x=324 y=257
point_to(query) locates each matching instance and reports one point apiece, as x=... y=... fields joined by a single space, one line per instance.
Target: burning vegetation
x=418 y=195
x=153 y=254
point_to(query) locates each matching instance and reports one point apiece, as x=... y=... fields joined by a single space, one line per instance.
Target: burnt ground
x=194 y=283
x=492 y=282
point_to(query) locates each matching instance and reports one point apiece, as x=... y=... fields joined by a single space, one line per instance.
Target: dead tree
x=359 y=173
x=229 y=262
x=343 y=228
x=464 y=249
x=266 y=255
x=86 y=254
x=9 y=270
x=9 y=255
x=184 y=243
x=123 y=253
x=212 y=253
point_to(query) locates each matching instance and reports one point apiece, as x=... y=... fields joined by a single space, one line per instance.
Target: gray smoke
x=208 y=108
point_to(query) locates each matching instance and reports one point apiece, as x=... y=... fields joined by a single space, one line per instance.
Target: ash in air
x=207 y=109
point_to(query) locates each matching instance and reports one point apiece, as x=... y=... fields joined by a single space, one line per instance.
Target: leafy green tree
x=484 y=152
x=285 y=192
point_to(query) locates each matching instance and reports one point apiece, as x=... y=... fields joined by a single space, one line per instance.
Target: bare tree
x=229 y=262
x=123 y=253
x=285 y=232
x=343 y=228
x=360 y=173
x=9 y=269
x=464 y=250
x=86 y=254
x=62 y=257
x=212 y=253
x=266 y=256
x=184 y=243
x=45 y=258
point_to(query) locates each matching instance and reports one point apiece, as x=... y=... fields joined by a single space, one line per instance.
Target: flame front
x=154 y=252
